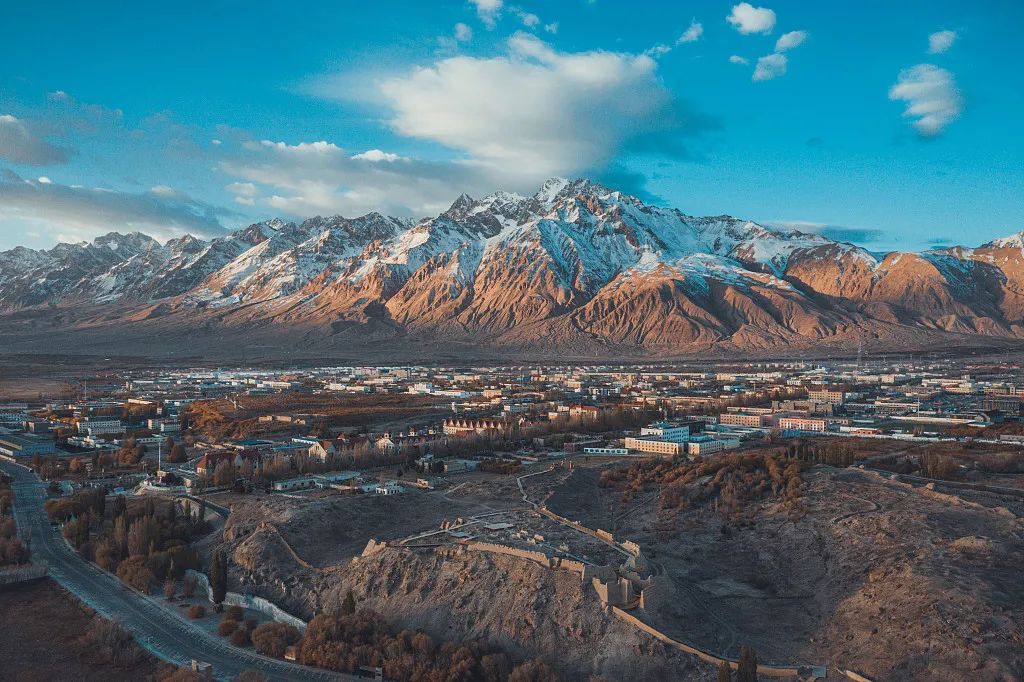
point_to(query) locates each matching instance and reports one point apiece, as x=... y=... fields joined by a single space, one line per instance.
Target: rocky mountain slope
x=576 y=267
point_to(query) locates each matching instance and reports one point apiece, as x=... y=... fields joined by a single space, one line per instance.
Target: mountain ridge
x=575 y=265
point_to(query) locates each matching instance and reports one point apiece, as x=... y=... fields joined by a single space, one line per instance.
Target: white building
x=667 y=431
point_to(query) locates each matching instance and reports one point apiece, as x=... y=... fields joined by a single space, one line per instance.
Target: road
x=155 y=625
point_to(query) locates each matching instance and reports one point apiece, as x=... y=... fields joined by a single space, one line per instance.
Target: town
x=344 y=466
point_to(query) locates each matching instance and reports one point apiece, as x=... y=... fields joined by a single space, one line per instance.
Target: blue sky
x=893 y=125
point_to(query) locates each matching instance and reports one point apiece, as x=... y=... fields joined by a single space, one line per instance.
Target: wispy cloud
x=86 y=212
x=21 y=145
x=488 y=11
x=770 y=66
x=932 y=97
x=940 y=41
x=787 y=41
x=747 y=19
x=691 y=34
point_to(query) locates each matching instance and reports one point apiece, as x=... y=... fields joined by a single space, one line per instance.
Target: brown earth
x=45 y=643
x=894 y=581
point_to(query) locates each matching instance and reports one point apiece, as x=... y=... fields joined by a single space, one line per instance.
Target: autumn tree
x=746 y=668
x=348 y=607
x=219 y=576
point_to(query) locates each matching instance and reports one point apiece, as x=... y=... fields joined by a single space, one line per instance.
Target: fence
x=23 y=574
x=264 y=606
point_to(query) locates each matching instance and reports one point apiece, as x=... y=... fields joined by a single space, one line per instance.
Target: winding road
x=154 y=624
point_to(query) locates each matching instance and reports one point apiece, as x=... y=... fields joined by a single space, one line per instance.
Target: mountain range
x=575 y=270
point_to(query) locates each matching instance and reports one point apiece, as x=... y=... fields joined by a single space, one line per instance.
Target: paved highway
x=154 y=624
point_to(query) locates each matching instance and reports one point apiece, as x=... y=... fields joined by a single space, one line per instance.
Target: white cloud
x=931 y=95
x=20 y=144
x=245 y=192
x=769 y=67
x=552 y=27
x=657 y=50
x=747 y=19
x=691 y=34
x=163 y=191
x=44 y=180
x=536 y=111
x=313 y=178
x=463 y=32
x=488 y=11
x=215 y=142
x=529 y=19
x=940 y=41
x=787 y=41
x=86 y=212
x=378 y=155
x=736 y=59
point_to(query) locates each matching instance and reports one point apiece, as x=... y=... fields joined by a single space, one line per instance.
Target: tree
x=746 y=668
x=724 y=672
x=224 y=475
x=120 y=507
x=271 y=639
x=219 y=576
x=135 y=572
x=348 y=607
x=177 y=454
x=169 y=588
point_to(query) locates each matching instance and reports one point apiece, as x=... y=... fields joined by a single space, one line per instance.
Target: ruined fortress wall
x=614 y=592
x=573 y=566
x=766 y=670
x=373 y=547
x=538 y=557
x=631 y=547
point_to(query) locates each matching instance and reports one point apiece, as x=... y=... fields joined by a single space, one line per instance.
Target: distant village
x=142 y=429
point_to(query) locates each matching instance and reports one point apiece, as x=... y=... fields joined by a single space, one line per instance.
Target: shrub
x=235 y=613
x=196 y=612
x=135 y=572
x=226 y=627
x=240 y=637
x=272 y=639
x=109 y=643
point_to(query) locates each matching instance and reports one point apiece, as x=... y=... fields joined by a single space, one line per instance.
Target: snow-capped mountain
x=574 y=265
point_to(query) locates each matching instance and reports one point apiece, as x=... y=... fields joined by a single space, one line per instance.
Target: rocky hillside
x=576 y=267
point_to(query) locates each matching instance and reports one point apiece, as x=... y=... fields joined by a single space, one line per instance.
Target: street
x=156 y=626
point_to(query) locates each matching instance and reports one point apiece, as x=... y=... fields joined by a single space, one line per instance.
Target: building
x=390 y=488
x=585 y=412
x=100 y=425
x=1007 y=404
x=801 y=424
x=209 y=462
x=605 y=451
x=740 y=419
x=827 y=394
x=18 y=446
x=656 y=446
x=671 y=431
x=465 y=427
x=706 y=445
